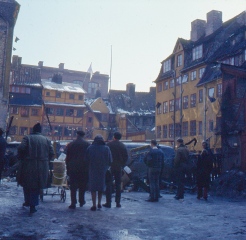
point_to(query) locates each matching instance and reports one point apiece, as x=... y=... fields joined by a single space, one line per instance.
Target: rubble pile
x=230 y=184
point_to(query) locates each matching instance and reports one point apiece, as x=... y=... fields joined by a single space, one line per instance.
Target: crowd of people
x=93 y=166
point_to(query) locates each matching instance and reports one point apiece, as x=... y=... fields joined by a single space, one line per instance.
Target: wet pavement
x=216 y=218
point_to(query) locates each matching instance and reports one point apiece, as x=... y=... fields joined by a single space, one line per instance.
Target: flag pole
x=110 y=70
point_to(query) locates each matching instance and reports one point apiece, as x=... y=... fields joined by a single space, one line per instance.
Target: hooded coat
x=35 y=153
x=99 y=158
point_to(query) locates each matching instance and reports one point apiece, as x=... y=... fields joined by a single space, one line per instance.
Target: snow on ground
x=217 y=218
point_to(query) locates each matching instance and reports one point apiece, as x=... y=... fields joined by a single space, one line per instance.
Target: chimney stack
x=40 y=64
x=214 y=21
x=61 y=66
x=130 y=90
x=197 y=29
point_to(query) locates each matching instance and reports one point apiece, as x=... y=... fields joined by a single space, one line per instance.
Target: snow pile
x=230 y=184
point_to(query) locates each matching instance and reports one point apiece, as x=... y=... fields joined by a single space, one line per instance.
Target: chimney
x=130 y=90
x=40 y=64
x=61 y=66
x=197 y=29
x=214 y=21
x=16 y=61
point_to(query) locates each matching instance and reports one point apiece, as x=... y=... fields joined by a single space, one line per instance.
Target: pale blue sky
x=142 y=33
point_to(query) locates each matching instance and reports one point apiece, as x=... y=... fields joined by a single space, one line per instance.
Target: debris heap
x=230 y=184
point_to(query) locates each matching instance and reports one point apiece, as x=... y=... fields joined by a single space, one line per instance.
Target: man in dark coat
x=3 y=145
x=155 y=163
x=204 y=169
x=180 y=164
x=35 y=153
x=99 y=159
x=77 y=168
x=120 y=156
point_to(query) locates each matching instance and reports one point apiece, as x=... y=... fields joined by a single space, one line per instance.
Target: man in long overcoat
x=204 y=169
x=180 y=164
x=35 y=153
x=119 y=156
x=77 y=168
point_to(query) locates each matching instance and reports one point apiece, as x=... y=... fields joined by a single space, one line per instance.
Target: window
x=179 y=60
x=171 y=105
x=185 y=78
x=165 y=85
x=69 y=112
x=28 y=90
x=89 y=119
x=245 y=55
x=159 y=87
x=211 y=92
x=92 y=87
x=24 y=112
x=67 y=131
x=177 y=130
x=232 y=61
x=201 y=71
x=13 y=130
x=14 y=110
x=193 y=75
x=47 y=94
x=167 y=66
x=219 y=90
x=80 y=97
x=80 y=113
x=193 y=100
x=185 y=129
x=23 y=130
x=200 y=128
x=178 y=81
x=171 y=130
x=159 y=108
x=59 y=112
x=211 y=126
x=171 y=83
x=50 y=111
x=178 y=104
x=34 y=112
x=185 y=102
x=58 y=94
x=197 y=52
x=71 y=96
x=158 y=131
x=218 y=124
x=78 y=82
x=200 y=95
x=193 y=128
x=17 y=89
x=164 y=135
x=58 y=130
x=165 y=107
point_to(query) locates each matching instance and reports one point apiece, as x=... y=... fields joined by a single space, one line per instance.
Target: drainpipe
x=174 y=109
x=205 y=113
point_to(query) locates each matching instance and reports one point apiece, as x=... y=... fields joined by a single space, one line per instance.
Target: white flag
x=90 y=71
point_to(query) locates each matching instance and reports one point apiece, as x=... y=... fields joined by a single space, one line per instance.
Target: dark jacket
x=119 y=154
x=181 y=156
x=75 y=159
x=155 y=158
x=3 y=145
x=99 y=159
x=204 y=167
x=35 y=152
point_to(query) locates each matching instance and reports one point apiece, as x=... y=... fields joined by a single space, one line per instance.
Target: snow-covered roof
x=139 y=113
x=62 y=87
x=64 y=104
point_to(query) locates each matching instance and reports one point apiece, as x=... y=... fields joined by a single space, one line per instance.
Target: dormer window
x=197 y=52
x=167 y=66
x=180 y=60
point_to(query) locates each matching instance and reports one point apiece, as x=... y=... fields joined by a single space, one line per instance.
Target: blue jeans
x=154 y=176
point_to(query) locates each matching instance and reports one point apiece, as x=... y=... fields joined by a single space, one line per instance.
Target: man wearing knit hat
x=77 y=168
x=35 y=152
